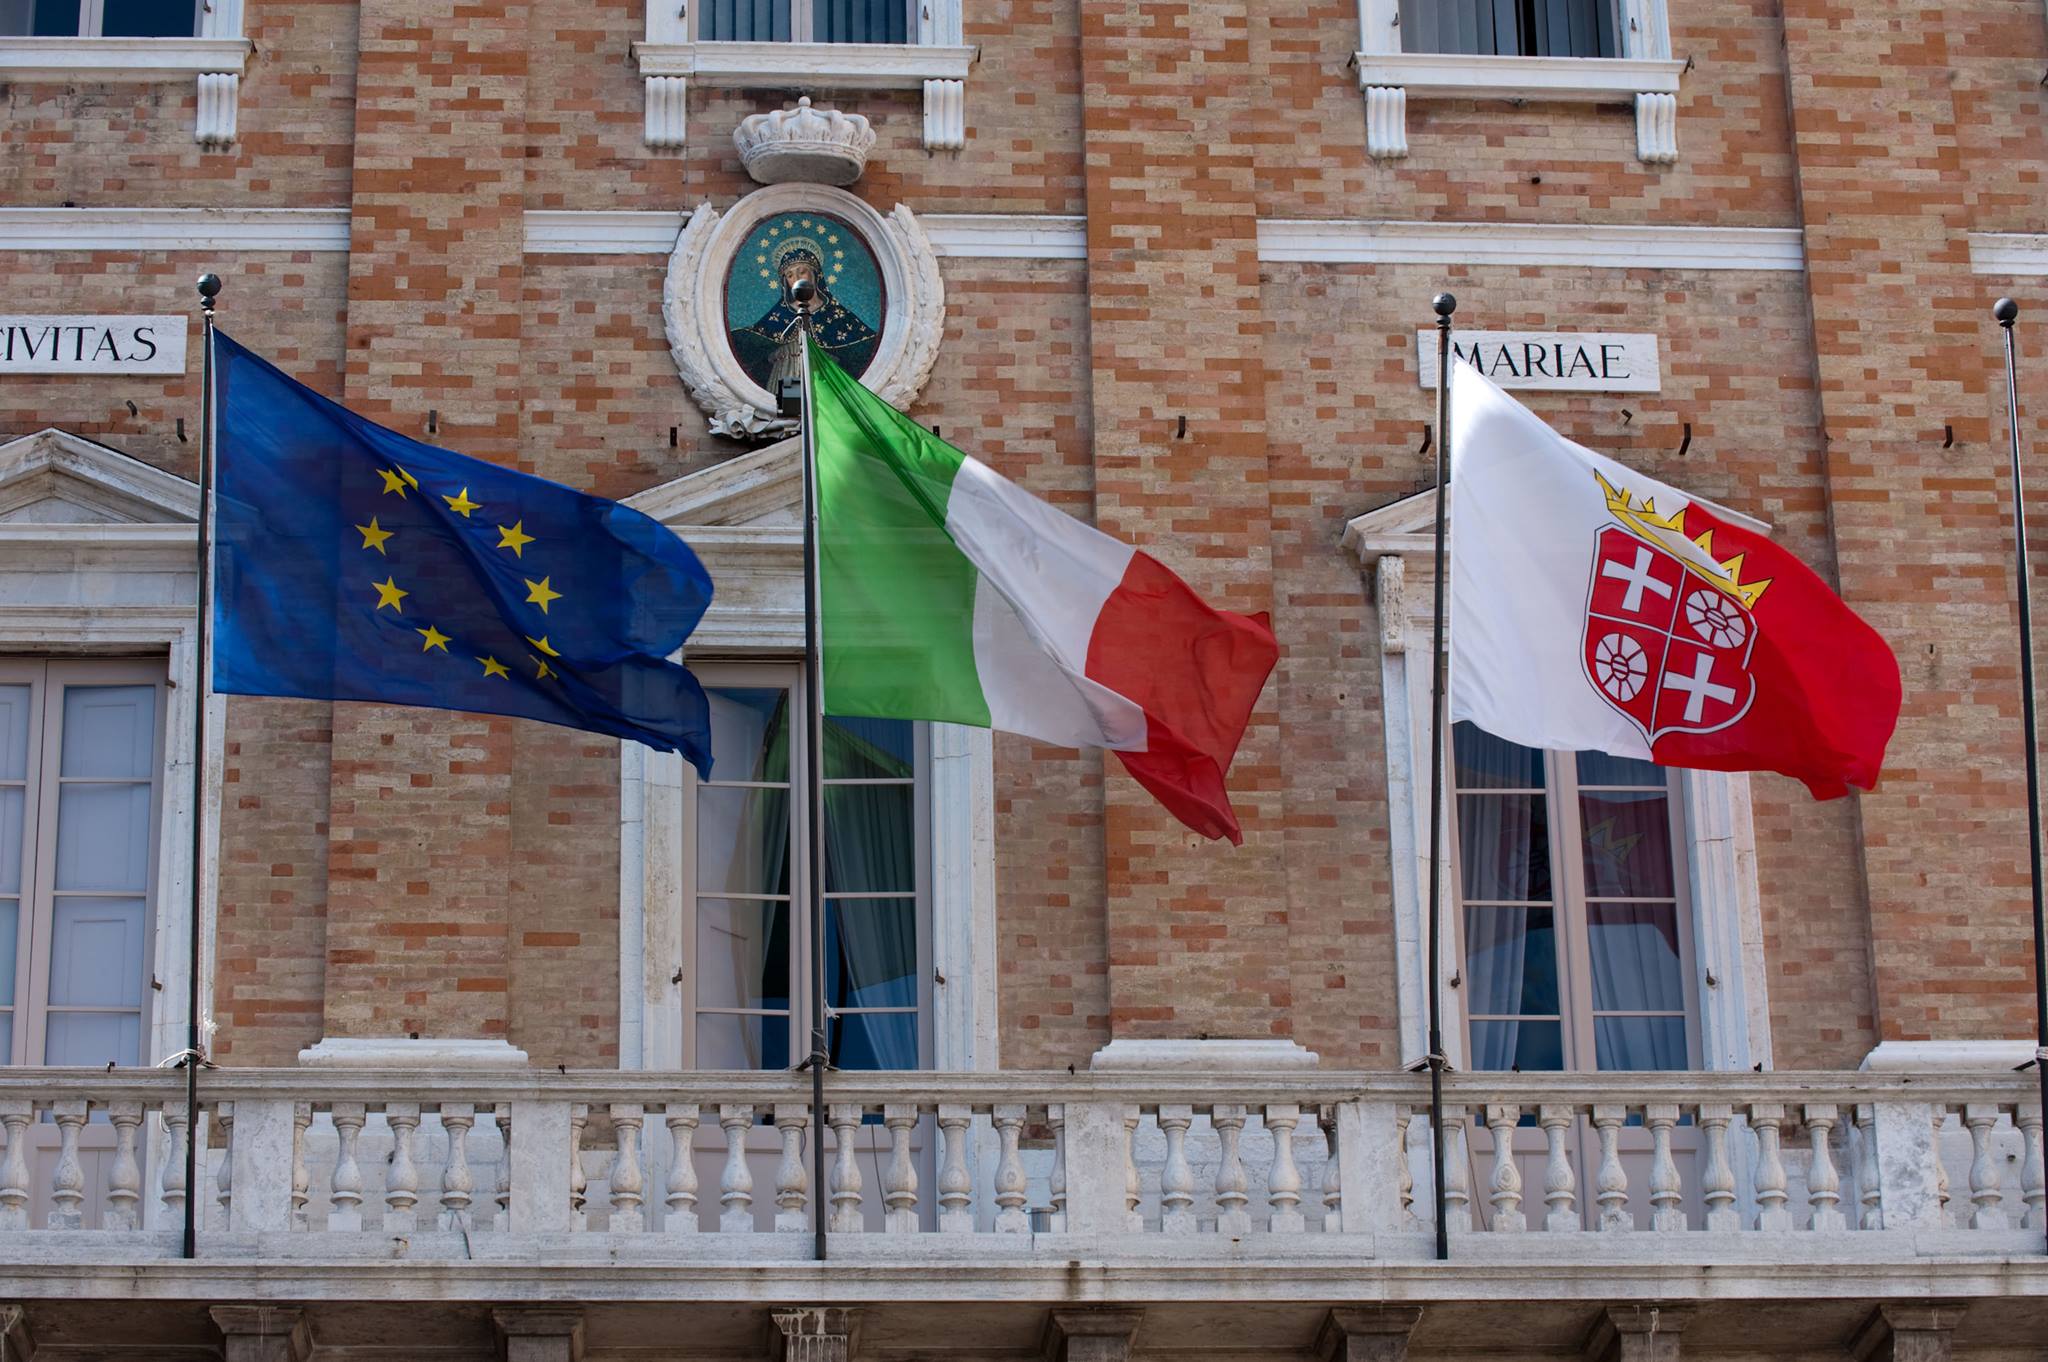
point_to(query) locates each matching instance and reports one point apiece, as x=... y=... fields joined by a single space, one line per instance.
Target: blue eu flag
x=356 y=564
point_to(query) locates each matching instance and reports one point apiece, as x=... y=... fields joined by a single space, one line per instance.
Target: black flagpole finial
x=2006 y=312
x=1444 y=304
x=209 y=289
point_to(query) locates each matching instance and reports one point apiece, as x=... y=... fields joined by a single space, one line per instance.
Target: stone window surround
x=1394 y=545
x=1646 y=74
x=217 y=57
x=669 y=58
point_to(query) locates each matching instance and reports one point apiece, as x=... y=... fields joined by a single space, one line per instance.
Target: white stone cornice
x=601 y=231
x=988 y=236
x=1358 y=241
x=119 y=59
x=1454 y=75
x=1008 y=236
x=793 y=66
x=2017 y=253
x=130 y=230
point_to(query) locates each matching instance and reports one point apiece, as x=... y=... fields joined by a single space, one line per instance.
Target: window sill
x=1389 y=79
x=120 y=59
x=859 y=66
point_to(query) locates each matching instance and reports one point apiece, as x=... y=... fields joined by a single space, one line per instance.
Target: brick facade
x=387 y=871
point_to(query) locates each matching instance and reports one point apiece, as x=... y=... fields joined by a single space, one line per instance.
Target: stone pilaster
x=1918 y=1331
x=1637 y=1333
x=1090 y=1335
x=539 y=1335
x=262 y=1333
x=1368 y=1333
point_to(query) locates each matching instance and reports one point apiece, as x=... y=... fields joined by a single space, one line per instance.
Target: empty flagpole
x=802 y=292
x=2006 y=312
x=209 y=289
x=1444 y=304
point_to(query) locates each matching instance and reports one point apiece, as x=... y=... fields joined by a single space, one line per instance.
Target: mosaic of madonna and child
x=760 y=319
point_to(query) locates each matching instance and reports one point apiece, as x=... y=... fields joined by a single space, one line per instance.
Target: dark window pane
x=1599 y=768
x=40 y=18
x=870 y=839
x=869 y=749
x=1512 y=28
x=871 y=953
x=875 y=1040
x=744 y=21
x=742 y=954
x=149 y=19
x=1627 y=847
x=1485 y=762
x=1634 y=948
x=861 y=21
x=741 y=1042
x=1511 y=961
x=1531 y=1046
x=1639 y=1042
x=1504 y=847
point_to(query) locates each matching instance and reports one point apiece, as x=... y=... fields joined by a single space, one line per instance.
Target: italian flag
x=949 y=593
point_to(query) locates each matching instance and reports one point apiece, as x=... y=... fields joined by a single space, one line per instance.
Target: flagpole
x=209 y=289
x=1444 y=304
x=802 y=292
x=2006 y=312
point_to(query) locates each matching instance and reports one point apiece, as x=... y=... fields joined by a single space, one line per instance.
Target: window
x=80 y=752
x=747 y=933
x=1572 y=906
x=1512 y=28
x=100 y=18
x=805 y=21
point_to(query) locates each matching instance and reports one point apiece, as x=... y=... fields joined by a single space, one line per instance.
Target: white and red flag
x=1595 y=608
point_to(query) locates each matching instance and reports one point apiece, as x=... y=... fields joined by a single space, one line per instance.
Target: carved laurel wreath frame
x=694 y=314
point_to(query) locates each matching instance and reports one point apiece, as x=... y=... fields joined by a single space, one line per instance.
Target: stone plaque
x=92 y=345
x=1594 y=362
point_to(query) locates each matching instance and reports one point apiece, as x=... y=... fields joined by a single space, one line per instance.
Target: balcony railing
x=1022 y=1171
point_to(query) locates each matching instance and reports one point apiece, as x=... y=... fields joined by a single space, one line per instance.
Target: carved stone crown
x=818 y=146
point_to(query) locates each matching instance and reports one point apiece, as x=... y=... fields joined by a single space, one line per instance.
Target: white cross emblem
x=1699 y=687
x=1638 y=578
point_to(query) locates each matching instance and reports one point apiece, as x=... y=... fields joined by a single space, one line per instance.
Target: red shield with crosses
x=1663 y=645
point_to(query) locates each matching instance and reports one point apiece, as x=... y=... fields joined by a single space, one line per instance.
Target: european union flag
x=356 y=564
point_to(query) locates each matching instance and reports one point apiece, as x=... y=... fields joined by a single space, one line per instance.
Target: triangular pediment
x=761 y=488
x=1403 y=526
x=56 y=478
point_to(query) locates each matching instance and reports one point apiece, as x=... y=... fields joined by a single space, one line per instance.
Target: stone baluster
x=67 y=1182
x=1134 y=1219
x=1560 y=1184
x=1333 y=1176
x=1767 y=1119
x=627 y=1179
x=346 y=1210
x=792 y=1180
x=1283 y=1182
x=1056 y=1185
x=402 y=1176
x=1176 y=1179
x=1823 y=1183
x=124 y=1180
x=2033 y=1176
x=681 y=1189
x=1987 y=1178
x=457 y=1182
x=579 y=1181
x=1867 y=1190
x=1231 y=1183
x=502 y=1221
x=1717 y=1177
x=1010 y=1217
x=1457 y=1173
x=1941 y=1189
x=15 y=1115
x=956 y=1185
x=845 y=1119
x=1666 y=1195
x=178 y=1130
x=1610 y=1184
x=1504 y=1187
x=735 y=1183
x=1404 y=1119
x=302 y=1181
x=224 y=1181
x=899 y=1188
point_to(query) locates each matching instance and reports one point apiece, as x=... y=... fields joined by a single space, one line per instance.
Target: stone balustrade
x=1753 y=1166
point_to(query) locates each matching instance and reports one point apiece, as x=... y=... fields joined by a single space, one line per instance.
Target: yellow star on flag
x=390 y=593
x=545 y=671
x=493 y=667
x=374 y=535
x=394 y=481
x=434 y=638
x=542 y=644
x=460 y=503
x=516 y=538
x=538 y=593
